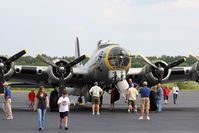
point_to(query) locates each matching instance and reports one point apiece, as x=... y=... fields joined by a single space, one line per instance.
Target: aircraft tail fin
x=77 y=51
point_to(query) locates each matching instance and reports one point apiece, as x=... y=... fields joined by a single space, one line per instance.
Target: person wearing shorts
x=95 y=92
x=131 y=95
x=145 y=103
x=64 y=108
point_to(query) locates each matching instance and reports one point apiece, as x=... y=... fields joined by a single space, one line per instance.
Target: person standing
x=64 y=109
x=7 y=108
x=31 y=100
x=158 y=96
x=95 y=92
x=166 y=92
x=131 y=82
x=175 y=91
x=131 y=95
x=112 y=99
x=145 y=103
x=41 y=104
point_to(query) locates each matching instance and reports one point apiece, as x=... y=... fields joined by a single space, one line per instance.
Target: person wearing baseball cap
x=7 y=108
x=145 y=103
x=96 y=92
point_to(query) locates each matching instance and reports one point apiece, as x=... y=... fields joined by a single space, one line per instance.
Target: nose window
x=118 y=58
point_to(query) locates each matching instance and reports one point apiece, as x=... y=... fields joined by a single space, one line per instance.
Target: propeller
x=147 y=60
x=176 y=63
x=194 y=56
x=159 y=69
x=7 y=62
x=62 y=69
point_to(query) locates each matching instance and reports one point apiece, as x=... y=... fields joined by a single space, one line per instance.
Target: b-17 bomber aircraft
x=109 y=65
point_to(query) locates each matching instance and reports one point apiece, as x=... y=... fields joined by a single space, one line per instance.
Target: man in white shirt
x=131 y=95
x=175 y=91
x=64 y=108
x=96 y=92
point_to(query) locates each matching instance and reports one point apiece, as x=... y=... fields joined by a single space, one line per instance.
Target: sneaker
x=9 y=118
x=66 y=128
x=40 y=129
x=135 y=111
x=93 y=113
x=98 y=113
x=129 y=111
x=148 y=118
x=141 y=118
x=60 y=126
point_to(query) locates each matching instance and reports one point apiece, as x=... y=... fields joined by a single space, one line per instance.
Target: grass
x=183 y=86
x=21 y=90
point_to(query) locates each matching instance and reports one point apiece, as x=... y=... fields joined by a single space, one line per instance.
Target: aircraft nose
x=118 y=59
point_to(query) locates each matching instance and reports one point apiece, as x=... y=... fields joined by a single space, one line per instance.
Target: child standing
x=64 y=108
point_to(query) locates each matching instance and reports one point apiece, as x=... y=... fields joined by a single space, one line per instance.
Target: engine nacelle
x=54 y=72
x=8 y=68
x=195 y=72
x=151 y=75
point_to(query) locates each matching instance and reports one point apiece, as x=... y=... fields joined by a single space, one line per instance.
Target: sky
x=150 y=27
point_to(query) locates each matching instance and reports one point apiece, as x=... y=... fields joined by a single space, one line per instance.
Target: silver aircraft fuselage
x=110 y=62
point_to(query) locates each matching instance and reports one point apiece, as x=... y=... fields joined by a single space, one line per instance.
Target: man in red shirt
x=31 y=99
x=166 y=94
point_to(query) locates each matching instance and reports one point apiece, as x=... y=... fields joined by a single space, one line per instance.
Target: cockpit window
x=104 y=44
x=118 y=58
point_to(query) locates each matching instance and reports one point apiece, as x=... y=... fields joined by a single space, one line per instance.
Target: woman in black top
x=41 y=104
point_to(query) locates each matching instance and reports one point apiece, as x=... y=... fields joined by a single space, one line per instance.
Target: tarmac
x=180 y=118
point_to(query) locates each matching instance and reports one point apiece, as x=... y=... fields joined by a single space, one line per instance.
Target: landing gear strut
x=153 y=106
x=53 y=100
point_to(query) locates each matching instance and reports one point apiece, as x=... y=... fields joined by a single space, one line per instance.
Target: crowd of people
x=40 y=102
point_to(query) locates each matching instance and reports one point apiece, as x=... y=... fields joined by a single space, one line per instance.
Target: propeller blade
x=160 y=78
x=47 y=61
x=61 y=84
x=1 y=80
x=147 y=60
x=76 y=61
x=176 y=63
x=194 y=56
x=16 y=56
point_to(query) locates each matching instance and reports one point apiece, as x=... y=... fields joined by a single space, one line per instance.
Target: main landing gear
x=53 y=100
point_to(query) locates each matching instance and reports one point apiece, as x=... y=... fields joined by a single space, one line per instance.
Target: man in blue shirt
x=134 y=84
x=145 y=104
x=158 y=96
x=7 y=102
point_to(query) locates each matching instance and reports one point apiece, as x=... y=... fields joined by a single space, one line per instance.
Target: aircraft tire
x=53 y=100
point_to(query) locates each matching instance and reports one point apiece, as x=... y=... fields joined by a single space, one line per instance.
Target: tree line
x=136 y=62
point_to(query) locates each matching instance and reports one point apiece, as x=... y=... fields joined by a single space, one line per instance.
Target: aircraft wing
x=30 y=76
x=175 y=74
x=35 y=76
